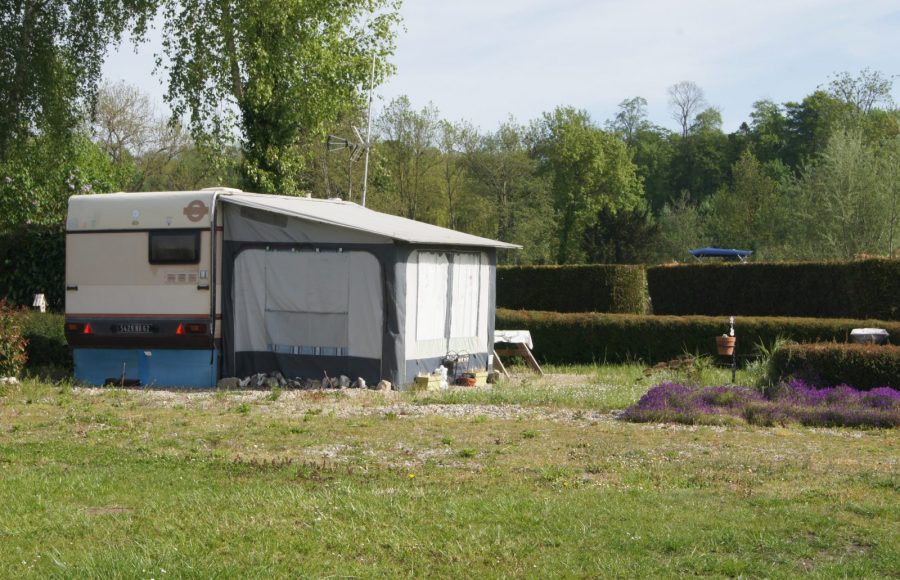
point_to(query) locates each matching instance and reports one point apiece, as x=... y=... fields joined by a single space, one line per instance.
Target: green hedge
x=589 y=288
x=856 y=289
x=862 y=366
x=565 y=338
x=47 y=346
x=33 y=260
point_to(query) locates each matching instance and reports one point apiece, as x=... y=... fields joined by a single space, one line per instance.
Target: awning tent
x=313 y=286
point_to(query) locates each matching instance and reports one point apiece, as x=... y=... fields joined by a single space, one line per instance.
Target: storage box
x=427 y=383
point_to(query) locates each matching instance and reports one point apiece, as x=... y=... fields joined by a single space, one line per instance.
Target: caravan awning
x=349 y=215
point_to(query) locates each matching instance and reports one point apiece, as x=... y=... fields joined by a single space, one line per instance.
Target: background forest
x=253 y=103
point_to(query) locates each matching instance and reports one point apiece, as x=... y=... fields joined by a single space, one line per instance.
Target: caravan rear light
x=196 y=328
x=88 y=329
x=180 y=330
x=74 y=327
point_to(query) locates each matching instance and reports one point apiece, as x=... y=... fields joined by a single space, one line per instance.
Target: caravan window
x=175 y=247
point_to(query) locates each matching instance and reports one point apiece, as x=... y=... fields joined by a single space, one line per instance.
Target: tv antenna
x=357 y=147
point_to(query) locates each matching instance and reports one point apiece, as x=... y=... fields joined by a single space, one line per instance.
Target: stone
x=343 y=381
x=272 y=383
x=229 y=383
x=9 y=381
x=245 y=382
x=360 y=383
x=384 y=385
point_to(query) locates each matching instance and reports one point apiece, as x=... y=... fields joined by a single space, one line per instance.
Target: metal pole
x=368 y=134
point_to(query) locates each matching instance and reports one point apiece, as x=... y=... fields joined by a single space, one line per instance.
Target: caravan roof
x=124 y=211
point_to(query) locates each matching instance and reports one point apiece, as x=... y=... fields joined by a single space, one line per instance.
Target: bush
x=590 y=288
x=47 y=346
x=33 y=260
x=855 y=289
x=12 y=343
x=573 y=338
x=865 y=366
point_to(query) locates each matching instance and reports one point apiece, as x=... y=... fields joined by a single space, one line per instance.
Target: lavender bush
x=795 y=401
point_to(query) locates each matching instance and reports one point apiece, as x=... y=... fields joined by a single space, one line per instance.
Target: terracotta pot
x=725 y=345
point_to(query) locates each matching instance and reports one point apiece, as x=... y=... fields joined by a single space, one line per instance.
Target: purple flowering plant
x=791 y=402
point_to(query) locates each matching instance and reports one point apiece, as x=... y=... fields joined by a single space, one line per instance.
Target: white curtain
x=466 y=290
x=431 y=311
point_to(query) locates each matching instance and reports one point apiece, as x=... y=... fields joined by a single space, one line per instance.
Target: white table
x=520 y=344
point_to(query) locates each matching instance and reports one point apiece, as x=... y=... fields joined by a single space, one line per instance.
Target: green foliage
x=862 y=366
x=847 y=200
x=47 y=347
x=589 y=170
x=681 y=228
x=51 y=58
x=588 y=288
x=290 y=68
x=33 y=260
x=38 y=176
x=573 y=338
x=12 y=342
x=855 y=289
x=748 y=214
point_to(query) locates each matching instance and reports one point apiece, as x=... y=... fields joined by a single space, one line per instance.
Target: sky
x=484 y=61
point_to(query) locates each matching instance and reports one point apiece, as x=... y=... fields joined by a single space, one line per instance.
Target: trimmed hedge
x=862 y=366
x=588 y=288
x=857 y=289
x=33 y=260
x=565 y=338
x=47 y=346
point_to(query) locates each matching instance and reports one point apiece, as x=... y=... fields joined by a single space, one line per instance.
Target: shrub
x=578 y=338
x=12 y=342
x=32 y=260
x=855 y=289
x=47 y=346
x=589 y=288
x=864 y=366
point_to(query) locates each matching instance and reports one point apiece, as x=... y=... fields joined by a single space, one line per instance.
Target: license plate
x=134 y=328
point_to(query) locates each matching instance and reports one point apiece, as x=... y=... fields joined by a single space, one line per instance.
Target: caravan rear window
x=175 y=247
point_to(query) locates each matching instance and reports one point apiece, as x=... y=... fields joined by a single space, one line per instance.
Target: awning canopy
x=731 y=254
x=349 y=215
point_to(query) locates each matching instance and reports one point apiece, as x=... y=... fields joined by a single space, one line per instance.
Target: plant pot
x=725 y=345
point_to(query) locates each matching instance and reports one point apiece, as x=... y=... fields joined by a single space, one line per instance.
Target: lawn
x=510 y=482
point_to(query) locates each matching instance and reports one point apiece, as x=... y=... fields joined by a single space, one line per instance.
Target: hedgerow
x=852 y=289
x=587 y=288
x=565 y=338
x=865 y=366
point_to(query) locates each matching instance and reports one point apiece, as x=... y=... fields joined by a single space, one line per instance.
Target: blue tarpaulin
x=721 y=253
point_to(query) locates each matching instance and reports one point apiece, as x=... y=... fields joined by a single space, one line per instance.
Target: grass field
x=509 y=482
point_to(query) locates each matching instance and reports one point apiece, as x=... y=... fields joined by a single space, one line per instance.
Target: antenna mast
x=368 y=133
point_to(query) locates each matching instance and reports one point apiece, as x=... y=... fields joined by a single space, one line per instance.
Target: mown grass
x=595 y=387
x=100 y=483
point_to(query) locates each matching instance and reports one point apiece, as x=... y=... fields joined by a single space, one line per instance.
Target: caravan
x=181 y=288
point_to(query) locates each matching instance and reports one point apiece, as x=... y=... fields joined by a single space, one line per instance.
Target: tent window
x=431 y=319
x=466 y=290
x=175 y=247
